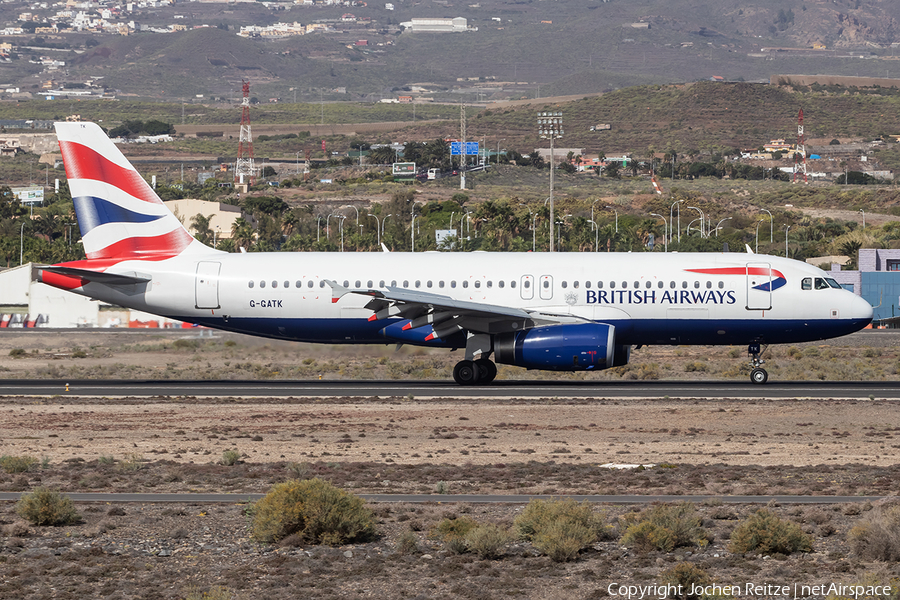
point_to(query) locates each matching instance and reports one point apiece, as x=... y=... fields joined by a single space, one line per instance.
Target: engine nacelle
x=579 y=347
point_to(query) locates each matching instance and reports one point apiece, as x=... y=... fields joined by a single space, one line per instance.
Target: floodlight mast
x=550 y=126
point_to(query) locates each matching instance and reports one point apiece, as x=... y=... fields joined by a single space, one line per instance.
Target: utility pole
x=462 y=143
x=550 y=126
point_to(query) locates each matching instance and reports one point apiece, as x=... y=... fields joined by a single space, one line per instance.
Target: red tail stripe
x=83 y=162
x=159 y=247
x=738 y=271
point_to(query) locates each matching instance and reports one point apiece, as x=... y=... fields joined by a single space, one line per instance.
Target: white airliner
x=560 y=312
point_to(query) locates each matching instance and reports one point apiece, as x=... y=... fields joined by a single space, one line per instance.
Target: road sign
x=405 y=168
x=471 y=148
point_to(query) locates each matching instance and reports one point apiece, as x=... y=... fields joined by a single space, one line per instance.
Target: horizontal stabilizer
x=98 y=276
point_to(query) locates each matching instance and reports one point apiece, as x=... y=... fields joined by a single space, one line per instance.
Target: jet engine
x=580 y=347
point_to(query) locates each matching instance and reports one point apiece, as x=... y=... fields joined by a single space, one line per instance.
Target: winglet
x=384 y=248
x=747 y=246
x=337 y=290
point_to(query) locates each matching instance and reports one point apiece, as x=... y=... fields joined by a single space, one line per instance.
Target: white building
x=437 y=25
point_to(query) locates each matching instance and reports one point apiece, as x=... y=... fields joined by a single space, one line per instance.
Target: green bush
x=684 y=576
x=231 y=457
x=17 y=353
x=764 y=532
x=453 y=533
x=487 y=541
x=559 y=528
x=18 y=464
x=46 y=507
x=665 y=527
x=877 y=535
x=314 y=510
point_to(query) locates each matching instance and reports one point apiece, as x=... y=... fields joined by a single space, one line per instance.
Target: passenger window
x=500 y=284
x=709 y=285
x=564 y=285
x=321 y=284
x=587 y=284
x=406 y=283
x=512 y=284
x=612 y=285
x=575 y=284
x=684 y=284
x=527 y=284
x=381 y=283
x=358 y=283
x=672 y=285
x=418 y=283
x=659 y=285
x=453 y=283
x=274 y=284
x=441 y=283
x=696 y=285
x=637 y=285
x=250 y=285
x=428 y=283
x=489 y=283
x=624 y=285
x=262 y=284
x=599 y=285
x=821 y=284
x=287 y=284
x=369 y=283
x=477 y=283
x=393 y=283
x=546 y=284
x=465 y=283
x=721 y=285
x=648 y=285
x=297 y=284
x=310 y=284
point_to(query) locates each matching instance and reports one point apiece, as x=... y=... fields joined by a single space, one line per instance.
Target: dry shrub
x=18 y=464
x=487 y=541
x=215 y=593
x=46 y=507
x=665 y=527
x=315 y=510
x=453 y=531
x=764 y=532
x=560 y=528
x=685 y=575
x=408 y=543
x=877 y=535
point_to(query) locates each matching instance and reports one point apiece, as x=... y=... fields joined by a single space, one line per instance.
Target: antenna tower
x=800 y=154
x=243 y=169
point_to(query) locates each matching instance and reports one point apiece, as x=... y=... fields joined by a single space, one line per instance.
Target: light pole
x=665 y=229
x=550 y=126
x=596 y=234
x=328 y=226
x=498 y=149
x=864 y=218
x=377 y=228
x=786 y=241
x=354 y=208
x=672 y=221
x=687 y=232
x=592 y=208
x=559 y=225
x=701 y=218
x=342 y=217
x=771 y=226
x=318 y=226
x=720 y=223
x=21 y=243
x=383 y=222
x=757 y=235
x=298 y=163
x=617 y=217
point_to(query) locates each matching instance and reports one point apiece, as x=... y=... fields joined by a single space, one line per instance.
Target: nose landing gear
x=757 y=373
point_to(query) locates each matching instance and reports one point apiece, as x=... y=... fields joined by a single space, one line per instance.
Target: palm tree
x=242 y=233
x=201 y=229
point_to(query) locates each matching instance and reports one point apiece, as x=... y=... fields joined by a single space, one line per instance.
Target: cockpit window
x=821 y=284
x=832 y=283
x=806 y=284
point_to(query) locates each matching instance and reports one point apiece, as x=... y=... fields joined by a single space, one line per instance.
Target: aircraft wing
x=445 y=315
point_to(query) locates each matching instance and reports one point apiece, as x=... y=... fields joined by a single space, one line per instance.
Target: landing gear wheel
x=759 y=376
x=487 y=370
x=466 y=373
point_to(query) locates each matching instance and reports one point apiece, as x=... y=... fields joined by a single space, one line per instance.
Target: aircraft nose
x=861 y=309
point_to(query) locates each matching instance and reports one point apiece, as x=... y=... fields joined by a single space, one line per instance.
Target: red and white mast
x=244 y=171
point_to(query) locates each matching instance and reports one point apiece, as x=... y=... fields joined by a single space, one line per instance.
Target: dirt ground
x=551 y=446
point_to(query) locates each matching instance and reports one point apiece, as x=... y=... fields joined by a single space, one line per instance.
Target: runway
x=459 y=498
x=854 y=390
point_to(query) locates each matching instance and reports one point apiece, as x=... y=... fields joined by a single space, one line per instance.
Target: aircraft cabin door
x=546 y=287
x=526 y=287
x=759 y=286
x=207 y=285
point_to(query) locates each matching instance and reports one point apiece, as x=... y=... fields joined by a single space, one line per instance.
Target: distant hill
x=522 y=48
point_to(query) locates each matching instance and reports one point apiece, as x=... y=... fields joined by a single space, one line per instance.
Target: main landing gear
x=757 y=373
x=474 y=372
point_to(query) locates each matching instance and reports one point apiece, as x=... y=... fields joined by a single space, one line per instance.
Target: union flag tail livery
x=119 y=214
x=553 y=311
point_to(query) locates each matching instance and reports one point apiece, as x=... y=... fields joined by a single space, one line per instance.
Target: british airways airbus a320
x=559 y=312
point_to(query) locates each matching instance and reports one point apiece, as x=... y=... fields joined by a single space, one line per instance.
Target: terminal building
x=877 y=280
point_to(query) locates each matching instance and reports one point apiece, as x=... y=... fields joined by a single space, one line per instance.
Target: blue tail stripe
x=93 y=212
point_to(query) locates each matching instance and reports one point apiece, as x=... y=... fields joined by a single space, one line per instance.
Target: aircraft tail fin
x=119 y=214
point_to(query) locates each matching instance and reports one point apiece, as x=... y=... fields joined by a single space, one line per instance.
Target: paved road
x=445 y=389
x=456 y=498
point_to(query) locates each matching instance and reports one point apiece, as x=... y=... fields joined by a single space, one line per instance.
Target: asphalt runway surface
x=458 y=498
x=857 y=390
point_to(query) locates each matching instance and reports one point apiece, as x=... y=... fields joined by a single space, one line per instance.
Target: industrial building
x=877 y=280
